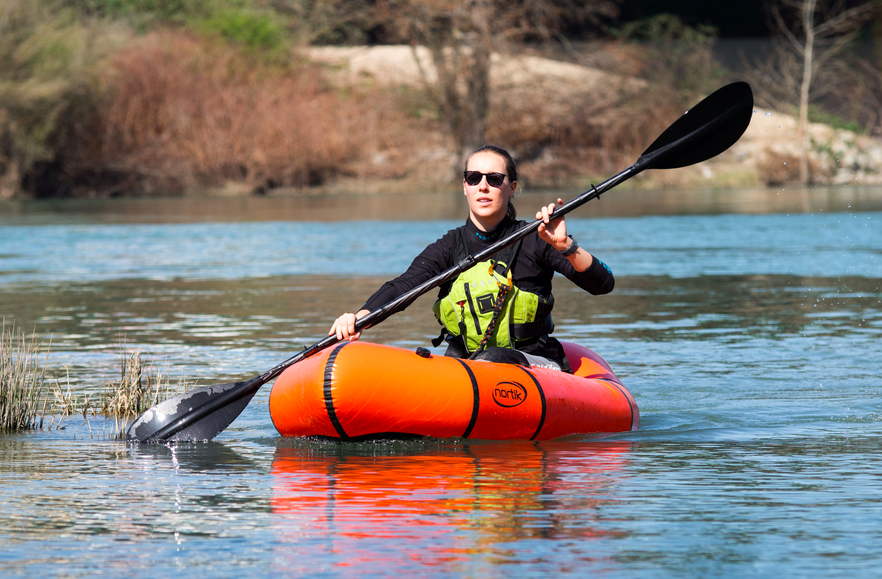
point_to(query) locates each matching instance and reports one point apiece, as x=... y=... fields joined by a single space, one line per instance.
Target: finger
x=339 y=328
x=545 y=213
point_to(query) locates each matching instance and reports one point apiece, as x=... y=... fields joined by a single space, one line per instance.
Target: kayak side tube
x=358 y=389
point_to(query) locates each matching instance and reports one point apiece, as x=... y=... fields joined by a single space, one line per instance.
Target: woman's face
x=488 y=205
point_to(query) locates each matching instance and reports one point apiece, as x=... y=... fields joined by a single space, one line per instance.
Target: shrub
x=195 y=112
x=251 y=30
x=50 y=65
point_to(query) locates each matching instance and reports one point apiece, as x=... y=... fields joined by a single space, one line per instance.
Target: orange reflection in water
x=439 y=506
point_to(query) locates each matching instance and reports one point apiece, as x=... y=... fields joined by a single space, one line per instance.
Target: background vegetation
x=162 y=97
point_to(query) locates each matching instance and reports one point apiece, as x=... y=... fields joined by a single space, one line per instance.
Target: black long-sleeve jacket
x=533 y=271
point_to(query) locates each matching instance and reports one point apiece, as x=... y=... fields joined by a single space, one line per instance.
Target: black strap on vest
x=507 y=256
x=497 y=309
x=461 y=251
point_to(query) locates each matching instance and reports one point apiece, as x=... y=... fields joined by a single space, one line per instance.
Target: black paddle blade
x=200 y=414
x=704 y=131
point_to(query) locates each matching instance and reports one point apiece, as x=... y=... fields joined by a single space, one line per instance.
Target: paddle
x=707 y=129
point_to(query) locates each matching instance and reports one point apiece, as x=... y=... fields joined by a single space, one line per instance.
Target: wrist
x=570 y=249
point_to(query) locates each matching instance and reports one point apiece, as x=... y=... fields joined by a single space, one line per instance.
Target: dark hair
x=511 y=169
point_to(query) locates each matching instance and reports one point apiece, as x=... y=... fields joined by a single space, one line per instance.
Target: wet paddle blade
x=197 y=415
x=704 y=131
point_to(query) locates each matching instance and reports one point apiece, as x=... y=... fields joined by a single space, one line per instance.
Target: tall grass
x=22 y=378
x=24 y=400
x=140 y=386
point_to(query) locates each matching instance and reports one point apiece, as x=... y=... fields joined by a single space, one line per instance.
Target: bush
x=190 y=112
x=675 y=57
x=50 y=66
x=143 y=15
x=253 y=31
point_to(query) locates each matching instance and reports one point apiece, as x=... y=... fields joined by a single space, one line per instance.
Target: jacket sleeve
x=596 y=280
x=434 y=259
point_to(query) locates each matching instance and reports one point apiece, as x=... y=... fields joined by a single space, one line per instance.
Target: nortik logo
x=509 y=394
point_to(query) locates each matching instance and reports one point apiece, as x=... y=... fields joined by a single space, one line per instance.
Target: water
x=745 y=323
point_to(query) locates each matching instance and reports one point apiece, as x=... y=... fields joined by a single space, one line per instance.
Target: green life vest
x=466 y=306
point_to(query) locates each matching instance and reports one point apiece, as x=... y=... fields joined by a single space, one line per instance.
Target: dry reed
x=140 y=386
x=21 y=380
x=23 y=402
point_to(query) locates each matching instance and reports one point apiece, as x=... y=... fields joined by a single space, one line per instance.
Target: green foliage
x=49 y=79
x=239 y=21
x=258 y=31
x=664 y=28
x=142 y=14
x=818 y=115
x=328 y=22
x=676 y=56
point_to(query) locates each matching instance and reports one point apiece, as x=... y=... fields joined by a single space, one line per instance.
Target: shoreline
x=442 y=205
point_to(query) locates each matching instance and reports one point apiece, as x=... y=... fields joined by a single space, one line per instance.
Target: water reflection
x=400 y=505
x=213 y=457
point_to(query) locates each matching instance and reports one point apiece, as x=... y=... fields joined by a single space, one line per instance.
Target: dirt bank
x=768 y=153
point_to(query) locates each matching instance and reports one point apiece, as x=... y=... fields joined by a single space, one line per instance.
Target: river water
x=746 y=324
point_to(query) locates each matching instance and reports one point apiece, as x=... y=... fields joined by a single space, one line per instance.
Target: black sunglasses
x=493 y=179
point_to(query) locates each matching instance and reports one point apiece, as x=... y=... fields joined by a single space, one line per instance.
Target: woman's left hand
x=553 y=232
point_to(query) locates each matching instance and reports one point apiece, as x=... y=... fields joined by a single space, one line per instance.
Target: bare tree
x=461 y=36
x=817 y=30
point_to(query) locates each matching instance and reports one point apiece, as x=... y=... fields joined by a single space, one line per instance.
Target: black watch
x=571 y=249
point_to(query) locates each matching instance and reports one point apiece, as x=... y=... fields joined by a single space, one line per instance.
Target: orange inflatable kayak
x=357 y=390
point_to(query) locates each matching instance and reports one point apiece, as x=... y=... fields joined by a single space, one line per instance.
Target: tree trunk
x=808 y=17
x=477 y=104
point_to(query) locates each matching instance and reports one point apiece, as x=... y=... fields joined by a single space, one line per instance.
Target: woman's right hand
x=344 y=326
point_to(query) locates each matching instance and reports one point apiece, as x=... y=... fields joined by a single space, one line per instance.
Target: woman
x=473 y=326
